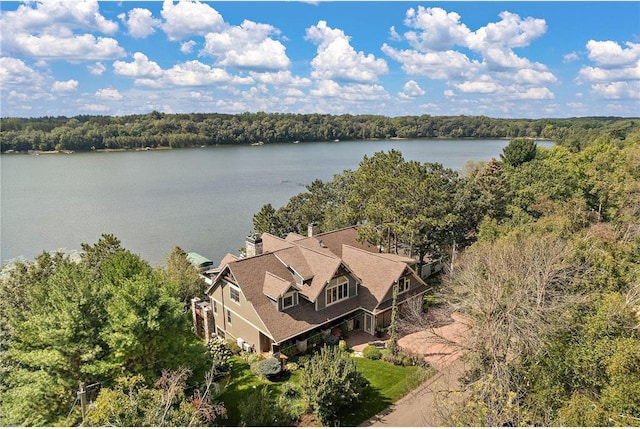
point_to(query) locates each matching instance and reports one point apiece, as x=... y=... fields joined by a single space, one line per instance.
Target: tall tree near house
x=73 y=321
x=265 y=220
x=515 y=293
x=182 y=272
x=393 y=327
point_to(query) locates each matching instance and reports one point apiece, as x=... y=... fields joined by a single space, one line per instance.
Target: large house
x=286 y=292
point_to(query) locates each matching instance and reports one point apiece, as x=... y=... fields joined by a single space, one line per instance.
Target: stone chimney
x=312 y=229
x=253 y=246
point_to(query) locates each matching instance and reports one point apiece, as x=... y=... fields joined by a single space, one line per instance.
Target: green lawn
x=388 y=383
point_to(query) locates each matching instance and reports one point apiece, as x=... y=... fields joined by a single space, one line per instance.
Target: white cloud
x=190 y=73
x=444 y=65
x=534 y=77
x=247 y=46
x=337 y=59
x=15 y=72
x=393 y=34
x=597 y=74
x=140 y=22
x=610 y=54
x=571 y=57
x=139 y=68
x=618 y=90
x=67 y=46
x=411 y=89
x=280 y=78
x=350 y=92
x=96 y=69
x=36 y=16
x=617 y=75
x=511 y=32
x=440 y=30
x=534 y=94
x=109 y=94
x=477 y=87
x=188 y=18
x=68 y=86
x=48 y=30
x=187 y=47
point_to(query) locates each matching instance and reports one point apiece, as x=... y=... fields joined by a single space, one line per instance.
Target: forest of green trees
x=547 y=269
x=84 y=133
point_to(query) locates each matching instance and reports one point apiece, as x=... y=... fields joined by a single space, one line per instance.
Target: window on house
x=289 y=300
x=220 y=333
x=215 y=307
x=338 y=292
x=228 y=317
x=404 y=285
x=234 y=293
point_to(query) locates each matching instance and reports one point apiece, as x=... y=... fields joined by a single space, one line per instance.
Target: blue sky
x=499 y=59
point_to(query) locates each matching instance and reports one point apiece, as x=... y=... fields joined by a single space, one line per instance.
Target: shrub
x=342 y=345
x=259 y=408
x=291 y=366
x=249 y=357
x=331 y=340
x=220 y=356
x=331 y=383
x=290 y=390
x=233 y=347
x=303 y=361
x=389 y=357
x=270 y=367
x=371 y=352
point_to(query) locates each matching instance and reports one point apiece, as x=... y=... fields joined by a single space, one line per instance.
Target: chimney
x=312 y=229
x=253 y=246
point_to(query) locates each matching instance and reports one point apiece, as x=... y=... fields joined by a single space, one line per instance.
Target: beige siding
x=245 y=322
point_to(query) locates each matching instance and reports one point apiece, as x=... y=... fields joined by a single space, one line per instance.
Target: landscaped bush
x=389 y=357
x=220 y=356
x=331 y=384
x=233 y=347
x=249 y=357
x=371 y=352
x=342 y=345
x=290 y=390
x=331 y=340
x=269 y=367
x=259 y=408
x=291 y=366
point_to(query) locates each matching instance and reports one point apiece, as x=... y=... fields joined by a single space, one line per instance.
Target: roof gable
x=274 y=287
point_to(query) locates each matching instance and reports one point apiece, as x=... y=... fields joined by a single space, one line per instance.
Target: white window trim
x=294 y=299
x=404 y=284
x=336 y=286
x=228 y=317
x=235 y=289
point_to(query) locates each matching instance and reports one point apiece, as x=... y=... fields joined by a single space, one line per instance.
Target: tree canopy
x=106 y=315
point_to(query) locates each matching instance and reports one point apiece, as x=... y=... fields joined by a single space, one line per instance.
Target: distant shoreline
x=149 y=148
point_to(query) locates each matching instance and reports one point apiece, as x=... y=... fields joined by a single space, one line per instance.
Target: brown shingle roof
x=317 y=258
x=376 y=271
x=274 y=287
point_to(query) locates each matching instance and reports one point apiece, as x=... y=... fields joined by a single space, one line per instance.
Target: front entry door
x=368 y=323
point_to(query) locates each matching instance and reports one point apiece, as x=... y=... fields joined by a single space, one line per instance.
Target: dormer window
x=338 y=293
x=289 y=300
x=404 y=284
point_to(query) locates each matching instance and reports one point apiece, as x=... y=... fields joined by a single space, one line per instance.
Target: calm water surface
x=200 y=199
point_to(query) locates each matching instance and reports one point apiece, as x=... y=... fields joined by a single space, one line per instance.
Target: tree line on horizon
x=155 y=129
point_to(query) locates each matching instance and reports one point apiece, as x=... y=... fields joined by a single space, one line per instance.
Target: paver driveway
x=423 y=407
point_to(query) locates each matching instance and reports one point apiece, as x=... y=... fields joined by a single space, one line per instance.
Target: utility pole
x=82 y=394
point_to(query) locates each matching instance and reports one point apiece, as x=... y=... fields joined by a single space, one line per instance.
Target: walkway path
x=426 y=406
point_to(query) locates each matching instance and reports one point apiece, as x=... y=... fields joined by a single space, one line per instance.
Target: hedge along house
x=288 y=292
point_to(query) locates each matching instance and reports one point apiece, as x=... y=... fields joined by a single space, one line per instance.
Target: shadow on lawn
x=372 y=403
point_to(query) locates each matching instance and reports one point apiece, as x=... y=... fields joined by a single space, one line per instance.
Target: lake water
x=200 y=199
